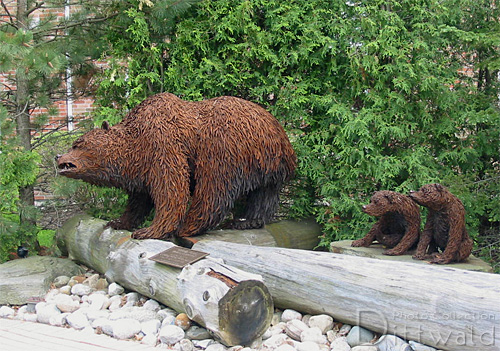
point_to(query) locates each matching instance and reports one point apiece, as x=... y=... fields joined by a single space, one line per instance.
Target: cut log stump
x=234 y=305
x=443 y=307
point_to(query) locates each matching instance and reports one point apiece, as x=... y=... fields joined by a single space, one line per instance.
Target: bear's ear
x=105 y=125
x=439 y=187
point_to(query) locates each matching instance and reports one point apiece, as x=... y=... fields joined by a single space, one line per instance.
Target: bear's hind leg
x=261 y=204
x=208 y=208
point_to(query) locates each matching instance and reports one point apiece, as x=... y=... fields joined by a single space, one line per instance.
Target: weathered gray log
x=293 y=234
x=31 y=277
x=234 y=305
x=451 y=309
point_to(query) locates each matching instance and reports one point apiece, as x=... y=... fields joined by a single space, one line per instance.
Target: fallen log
x=211 y=293
x=447 y=308
x=293 y=234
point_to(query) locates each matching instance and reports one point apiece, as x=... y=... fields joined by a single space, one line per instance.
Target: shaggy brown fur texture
x=398 y=226
x=444 y=227
x=190 y=161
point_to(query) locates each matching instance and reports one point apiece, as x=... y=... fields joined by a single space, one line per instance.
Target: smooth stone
x=197 y=333
x=216 y=347
x=323 y=321
x=81 y=289
x=102 y=285
x=66 y=303
x=165 y=312
x=126 y=328
x=150 y=327
x=358 y=336
x=203 y=344
x=307 y=346
x=313 y=334
x=186 y=345
x=289 y=314
x=294 y=328
x=58 y=320
x=389 y=343
x=77 y=320
x=66 y=289
x=30 y=317
x=44 y=313
x=285 y=347
x=276 y=318
x=420 y=347
x=31 y=277
x=61 y=281
x=256 y=344
x=171 y=334
x=132 y=298
x=340 y=344
x=306 y=318
x=376 y=251
x=92 y=281
x=275 y=341
x=150 y=340
x=331 y=335
x=365 y=348
x=115 y=289
x=104 y=325
x=151 y=305
x=135 y=312
x=6 y=312
x=183 y=321
x=93 y=315
x=115 y=302
x=98 y=301
x=344 y=330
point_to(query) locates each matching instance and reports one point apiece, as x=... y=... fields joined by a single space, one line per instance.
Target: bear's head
x=382 y=202
x=433 y=196
x=93 y=157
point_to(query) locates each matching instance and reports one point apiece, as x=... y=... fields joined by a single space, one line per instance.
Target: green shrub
x=374 y=94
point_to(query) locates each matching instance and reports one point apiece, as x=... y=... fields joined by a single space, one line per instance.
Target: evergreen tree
x=39 y=48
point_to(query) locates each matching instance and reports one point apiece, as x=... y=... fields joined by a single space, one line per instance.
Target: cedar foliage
x=376 y=95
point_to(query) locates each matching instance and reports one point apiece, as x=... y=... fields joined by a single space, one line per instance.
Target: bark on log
x=234 y=305
x=447 y=308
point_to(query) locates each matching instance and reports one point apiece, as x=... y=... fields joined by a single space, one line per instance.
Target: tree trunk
x=236 y=306
x=446 y=308
x=22 y=118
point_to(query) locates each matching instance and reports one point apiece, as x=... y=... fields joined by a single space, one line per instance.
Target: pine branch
x=65 y=26
x=38 y=6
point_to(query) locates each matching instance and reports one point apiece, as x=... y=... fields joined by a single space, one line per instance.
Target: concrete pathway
x=16 y=335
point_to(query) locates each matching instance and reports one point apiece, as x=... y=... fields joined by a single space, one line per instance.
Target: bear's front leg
x=170 y=195
x=424 y=242
x=368 y=238
x=138 y=207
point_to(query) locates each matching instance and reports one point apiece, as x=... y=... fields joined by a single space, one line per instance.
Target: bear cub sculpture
x=190 y=161
x=444 y=227
x=398 y=224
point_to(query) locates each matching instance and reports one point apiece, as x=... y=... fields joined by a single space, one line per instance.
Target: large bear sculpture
x=190 y=161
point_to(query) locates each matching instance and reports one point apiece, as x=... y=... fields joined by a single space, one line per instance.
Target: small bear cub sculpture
x=398 y=226
x=444 y=227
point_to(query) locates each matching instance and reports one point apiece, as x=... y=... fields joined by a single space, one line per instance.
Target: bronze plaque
x=178 y=256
